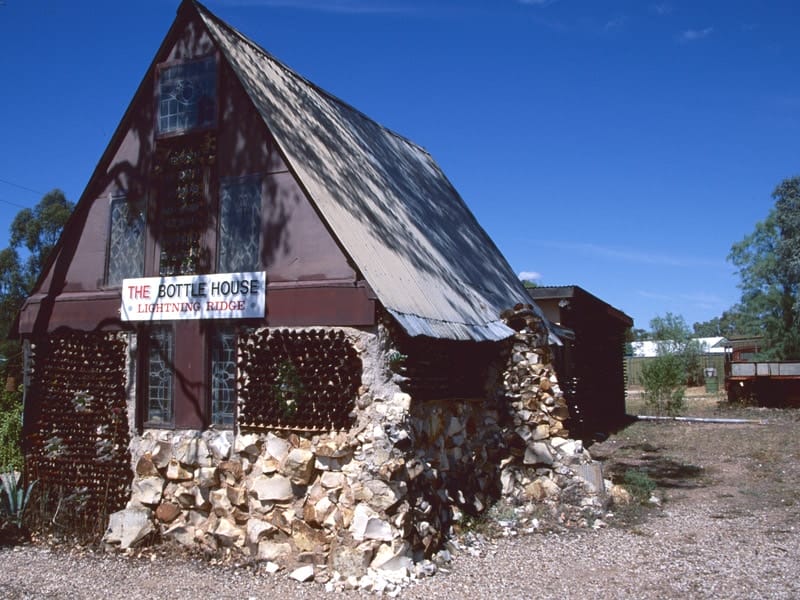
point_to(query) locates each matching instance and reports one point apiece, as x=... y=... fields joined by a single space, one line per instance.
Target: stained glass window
x=125 y=241
x=159 y=376
x=223 y=378
x=239 y=224
x=187 y=96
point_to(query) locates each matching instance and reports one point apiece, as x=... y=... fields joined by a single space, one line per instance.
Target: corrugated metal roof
x=395 y=213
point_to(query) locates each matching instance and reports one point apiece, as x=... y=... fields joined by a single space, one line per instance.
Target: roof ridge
x=286 y=68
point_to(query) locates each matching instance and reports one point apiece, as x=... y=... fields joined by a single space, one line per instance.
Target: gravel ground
x=728 y=527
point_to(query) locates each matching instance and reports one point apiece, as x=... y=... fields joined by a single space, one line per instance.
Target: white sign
x=217 y=296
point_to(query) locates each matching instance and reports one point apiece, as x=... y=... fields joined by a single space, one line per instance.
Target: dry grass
x=699 y=403
x=736 y=467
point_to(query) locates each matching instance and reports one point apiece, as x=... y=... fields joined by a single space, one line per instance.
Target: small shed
x=590 y=365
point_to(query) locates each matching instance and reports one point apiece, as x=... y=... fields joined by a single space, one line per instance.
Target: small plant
x=663 y=380
x=396 y=360
x=82 y=402
x=14 y=497
x=11 y=429
x=54 y=447
x=288 y=388
x=639 y=484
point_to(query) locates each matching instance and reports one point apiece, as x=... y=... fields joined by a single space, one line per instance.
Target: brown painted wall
x=296 y=244
x=310 y=280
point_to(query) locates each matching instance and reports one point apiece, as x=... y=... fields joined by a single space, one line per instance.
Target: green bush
x=663 y=380
x=639 y=484
x=14 y=497
x=11 y=430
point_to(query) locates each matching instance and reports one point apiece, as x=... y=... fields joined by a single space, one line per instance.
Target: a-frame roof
x=409 y=233
x=392 y=210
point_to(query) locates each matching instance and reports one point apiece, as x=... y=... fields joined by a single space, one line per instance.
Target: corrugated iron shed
x=405 y=227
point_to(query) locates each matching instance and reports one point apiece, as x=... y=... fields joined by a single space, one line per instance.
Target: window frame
x=256 y=179
x=141 y=204
x=157 y=100
x=216 y=331
x=145 y=361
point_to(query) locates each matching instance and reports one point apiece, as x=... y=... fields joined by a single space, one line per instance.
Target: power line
x=12 y=203
x=22 y=187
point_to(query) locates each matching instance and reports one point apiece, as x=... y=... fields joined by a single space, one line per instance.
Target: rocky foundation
x=385 y=494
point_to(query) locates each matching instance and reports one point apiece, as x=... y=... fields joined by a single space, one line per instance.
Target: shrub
x=639 y=484
x=14 y=497
x=663 y=380
x=11 y=430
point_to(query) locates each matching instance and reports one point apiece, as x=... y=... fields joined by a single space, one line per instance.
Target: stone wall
x=383 y=494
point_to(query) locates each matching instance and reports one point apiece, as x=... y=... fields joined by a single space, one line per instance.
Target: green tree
x=34 y=232
x=677 y=364
x=768 y=264
x=637 y=334
x=733 y=322
x=10 y=430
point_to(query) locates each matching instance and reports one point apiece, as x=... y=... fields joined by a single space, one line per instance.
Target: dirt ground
x=735 y=467
x=726 y=527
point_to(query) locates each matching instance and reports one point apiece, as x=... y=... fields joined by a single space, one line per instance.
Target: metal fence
x=634 y=365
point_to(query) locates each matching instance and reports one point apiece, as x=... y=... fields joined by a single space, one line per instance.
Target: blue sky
x=622 y=146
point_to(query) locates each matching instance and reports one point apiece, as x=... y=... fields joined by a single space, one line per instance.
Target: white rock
x=570 y=447
x=382 y=495
x=272 y=551
x=255 y=528
x=331 y=463
x=402 y=401
x=271 y=567
x=275 y=488
x=265 y=465
x=377 y=432
x=147 y=490
x=299 y=466
x=182 y=533
x=332 y=479
x=192 y=451
x=176 y=471
x=201 y=497
x=129 y=526
x=538 y=453
x=247 y=443
x=229 y=534
x=303 y=574
x=220 y=502
x=542 y=432
x=368 y=525
x=161 y=453
x=507 y=480
x=393 y=559
x=220 y=446
x=237 y=495
x=206 y=476
x=277 y=448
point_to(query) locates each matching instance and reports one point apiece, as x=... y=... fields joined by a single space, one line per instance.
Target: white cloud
x=681 y=301
x=632 y=255
x=654 y=295
x=615 y=23
x=661 y=9
x=529 y=275
x=692 y=35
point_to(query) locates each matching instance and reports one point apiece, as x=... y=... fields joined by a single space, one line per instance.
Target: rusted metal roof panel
x=392 y=209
